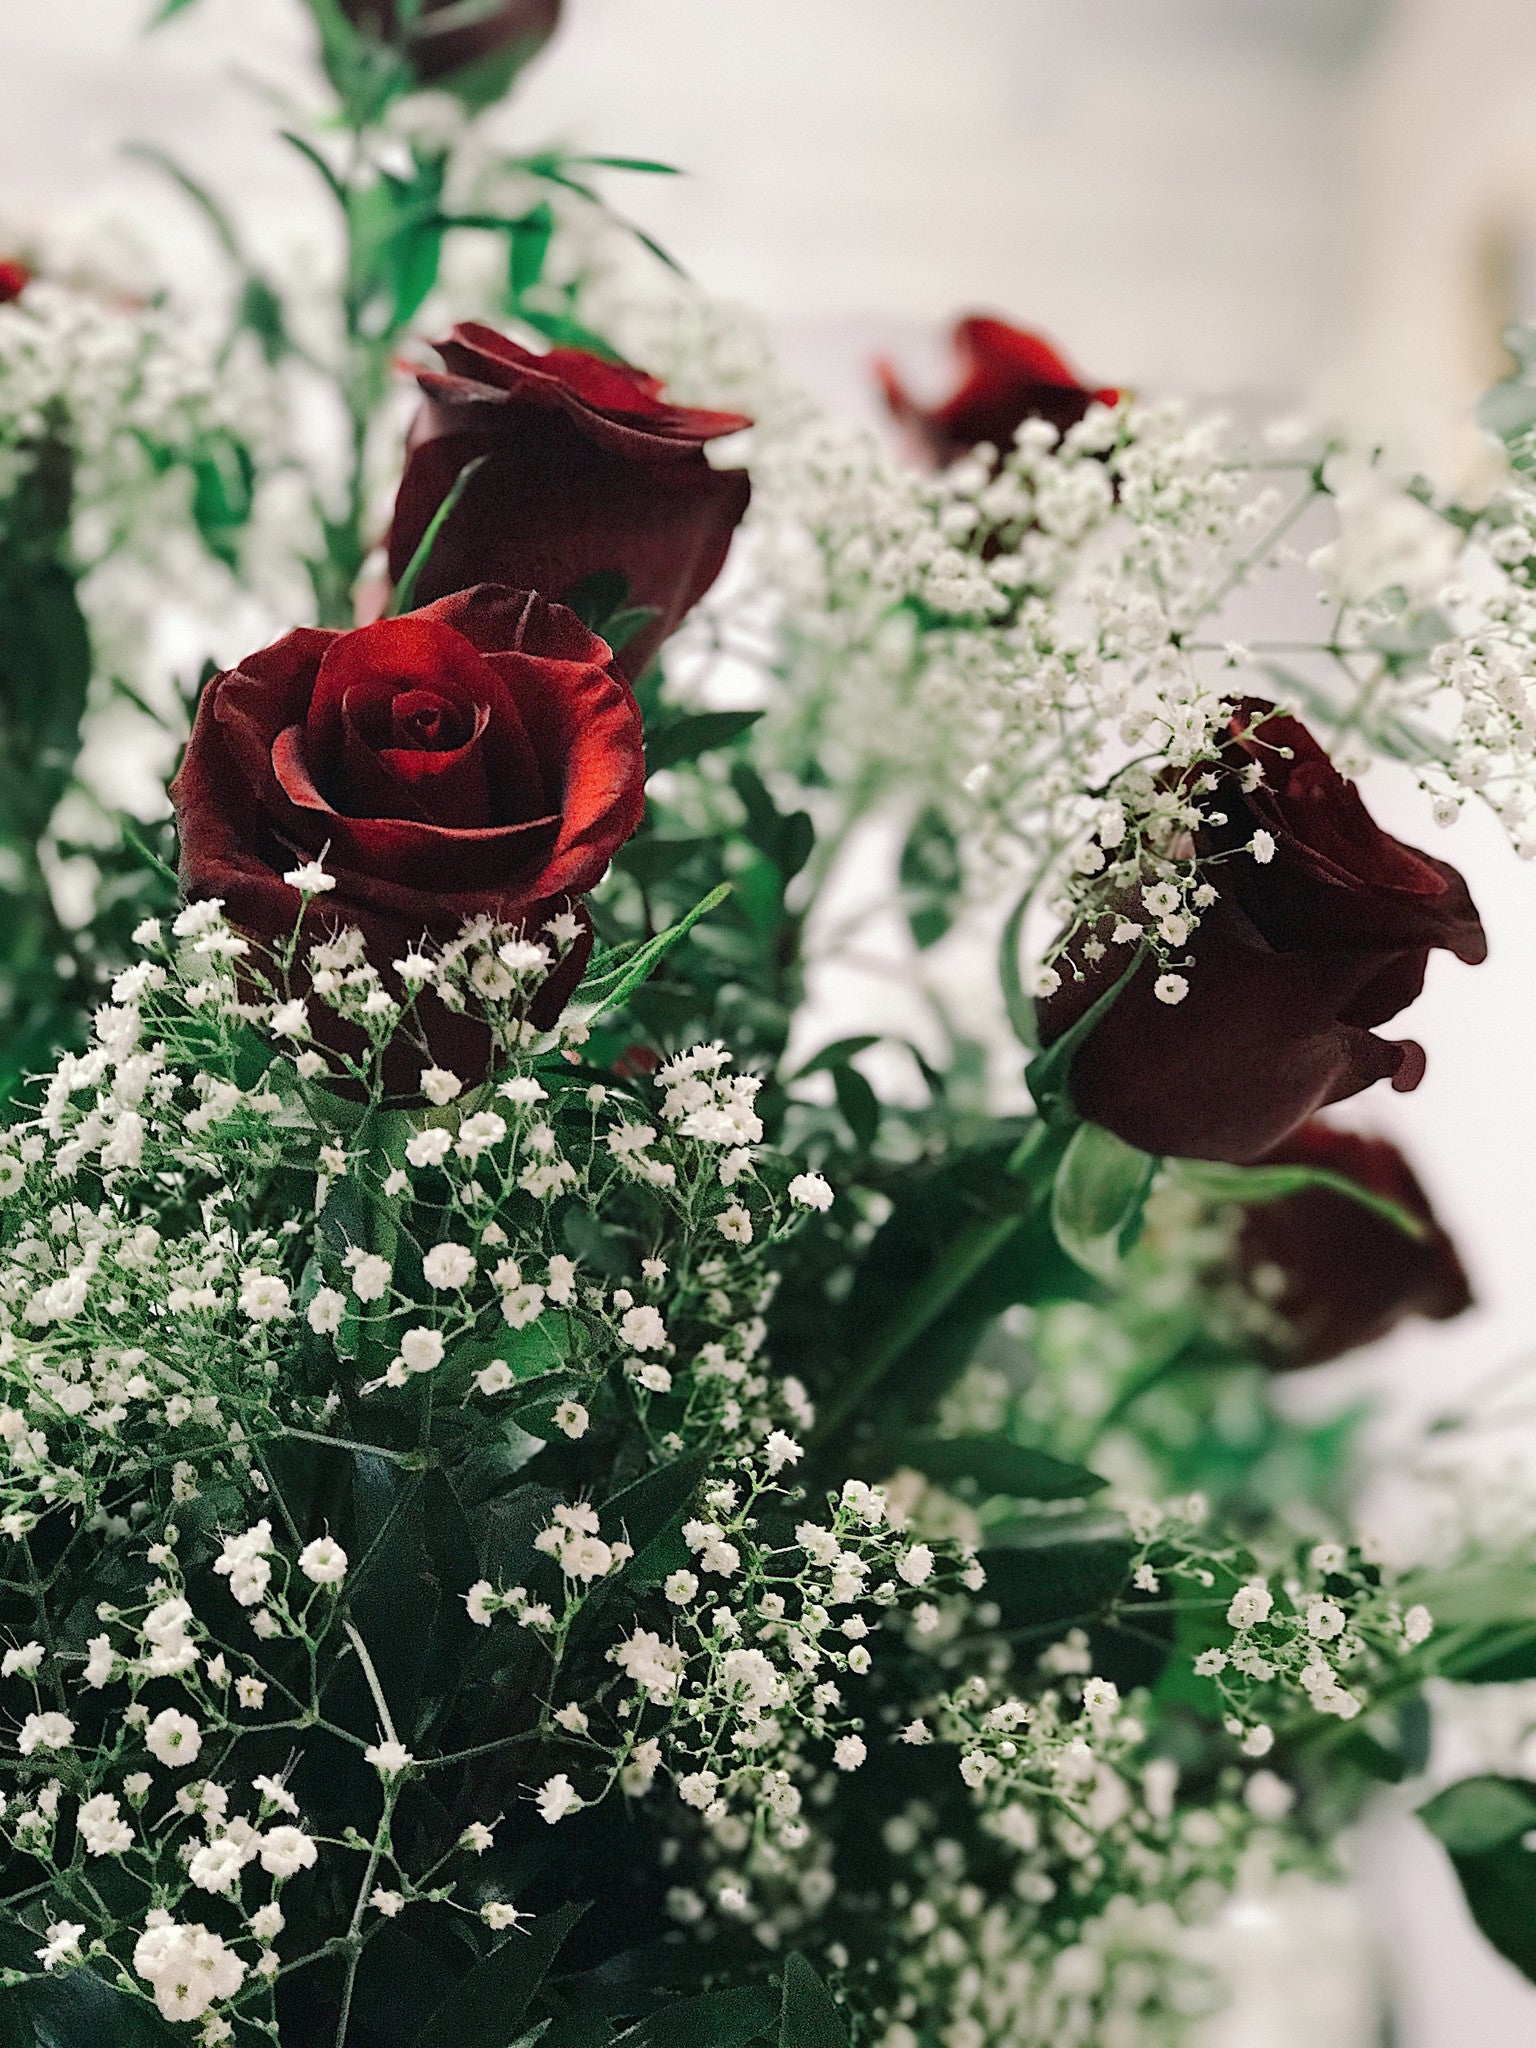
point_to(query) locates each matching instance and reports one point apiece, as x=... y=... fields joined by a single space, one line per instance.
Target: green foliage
x=1485 y=1824
x=1048 y=1075
x=993 y=1465
x=807 y=2016
x=485 y=2007
x=931 y=877
x=1097 y=1198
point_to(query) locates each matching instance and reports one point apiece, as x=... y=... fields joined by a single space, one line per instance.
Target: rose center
x=427 y=723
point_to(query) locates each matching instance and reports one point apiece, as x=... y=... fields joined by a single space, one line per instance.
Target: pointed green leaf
x=808 y=2014
x=1097 y=1198
x=483 y=2009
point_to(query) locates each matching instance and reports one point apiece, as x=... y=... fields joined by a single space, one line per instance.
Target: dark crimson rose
x=446 y=37
x=587 y=468
x=1006 y=377
x=1337 y=1274
x=1291 y=968
x=479 y=756
x=14 y=279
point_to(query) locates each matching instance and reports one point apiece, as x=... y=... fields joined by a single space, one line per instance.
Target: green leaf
x=714 y=2019
x=1250 y=1185
x=483 y=2009
x=609 y=989
x=808 y=2016
x=405 y=589
x=528 y=243
x=162 y=160
x=931 y=876
x=626 y=163
x=1097 y=1198
x=1058 y=1570
x=79 y=2011
x=838 y=1054
x=651 y=1509
x=165 y=11
x=996 y=1465
x=1480 y=1814
x=1019 y=1005
x=1049 y=1074
x=785 y=837
x=597 y=597
x=1485 y=1824
x=684 y=739
x=859 y=1104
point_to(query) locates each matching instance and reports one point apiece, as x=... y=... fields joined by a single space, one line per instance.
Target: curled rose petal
x=1335 y=1273
x=1007 y=376
x=586 y=468
x=1288 y=972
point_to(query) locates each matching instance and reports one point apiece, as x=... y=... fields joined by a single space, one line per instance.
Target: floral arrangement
x=551 y=1490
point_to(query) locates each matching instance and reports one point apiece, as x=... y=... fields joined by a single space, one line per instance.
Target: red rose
x=1288 y=972
x=476 y=757
x=440 y=40
x=587 y=468
x=14 y=279
x=1006 y=377
x=1339 y=1275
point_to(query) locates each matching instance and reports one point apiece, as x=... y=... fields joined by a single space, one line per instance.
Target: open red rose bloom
x=1289 y=970
x=586 y=468
x=1007 y=376
x=476 y=757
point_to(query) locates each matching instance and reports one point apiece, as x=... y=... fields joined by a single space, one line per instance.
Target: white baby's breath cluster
x=743 y=1694
x=172 y=452
x=1322 y=1640
x=207 y=1249
x=439 y=1249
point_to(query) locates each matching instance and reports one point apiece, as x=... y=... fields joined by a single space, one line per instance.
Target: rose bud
x=1337 y=1274
x=1319 y=936
x=478 y=757
x=442 y=38
x=1006 y=377
x=14 y=279
x=587 y=468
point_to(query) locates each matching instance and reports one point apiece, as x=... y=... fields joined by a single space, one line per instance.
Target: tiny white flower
x=571 y=1419
x=734 y=1224
x=1249 y=1604
x=448 y=1266
x=421 y=1349
x=310 y=879
x=440 y=1086
x=811 y=1191
x=264 y=1297
x=371 y=1275
x=556 y=1798
x=1170 y=988
x=323 y=1561
x=642 y=1329
x=173 y=1738
x=389 y=1758
x=428 y=1148
x=1262 y=847
x=286 y=1850
x=849 y=1752
x=325 y=1311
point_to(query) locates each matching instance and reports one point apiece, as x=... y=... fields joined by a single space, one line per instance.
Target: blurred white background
x=1283 y=201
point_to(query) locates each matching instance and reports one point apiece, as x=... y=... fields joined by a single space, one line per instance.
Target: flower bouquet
x=558 y=1485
